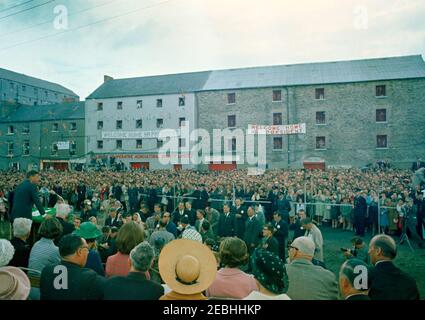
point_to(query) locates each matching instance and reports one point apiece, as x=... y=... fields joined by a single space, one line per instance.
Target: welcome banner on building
x=277 y=129
x=152 y=134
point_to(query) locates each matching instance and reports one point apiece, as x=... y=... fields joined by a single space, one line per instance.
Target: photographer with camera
x=358 y=251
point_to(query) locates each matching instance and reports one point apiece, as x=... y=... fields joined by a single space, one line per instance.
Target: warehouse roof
x=151 y=85
x=35 y=82
x=48 y=112
x=406 y=67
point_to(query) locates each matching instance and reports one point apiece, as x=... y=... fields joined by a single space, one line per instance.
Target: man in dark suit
x=284 y=207
x=179 y=213
x=226 y=223
x=69 y=280
x=26 y=195
x=170 y=226
x=240 y=214
x=114 y=219
x=354 y=280
x=296 y=226
x=387 y=281
x=135 y=286
x=360 y=211
x=62 y=212
x=281 y=233
x=191 y=213
x=252 y=230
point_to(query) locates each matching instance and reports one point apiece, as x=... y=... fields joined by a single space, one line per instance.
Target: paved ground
x=412 y=263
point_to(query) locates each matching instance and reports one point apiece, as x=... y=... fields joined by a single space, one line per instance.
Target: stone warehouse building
x=43 y=137
x=356 y=112
x=23 y=89
x=125 y=116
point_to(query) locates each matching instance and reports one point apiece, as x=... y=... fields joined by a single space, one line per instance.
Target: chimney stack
x=107 y=78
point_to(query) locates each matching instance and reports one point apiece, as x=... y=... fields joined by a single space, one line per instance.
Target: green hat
x=88 y=231
x=270 y=271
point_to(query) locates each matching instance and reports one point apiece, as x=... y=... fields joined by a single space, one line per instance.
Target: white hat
x=6 y=252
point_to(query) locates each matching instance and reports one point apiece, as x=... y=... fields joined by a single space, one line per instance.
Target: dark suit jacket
x=26 y=195
x=227 y=225
x=133 y=287
x=172 y=228
x=22 y=253
x=116 y=223
x=390 y=283
x=358 y=297
x=240 y=222
x=282 y=231
x=272 y=245
x=83 y=283
x=67 y=227
x=252 y=232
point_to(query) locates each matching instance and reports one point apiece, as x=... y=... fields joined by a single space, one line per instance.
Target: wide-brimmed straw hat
x=14 y=284
x=187 y=266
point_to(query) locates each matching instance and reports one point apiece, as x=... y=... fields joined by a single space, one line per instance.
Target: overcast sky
x=160 y=37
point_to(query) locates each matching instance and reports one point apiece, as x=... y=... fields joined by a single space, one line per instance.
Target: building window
x=26 y=129
x=320 y=93
x=99 y=106
x=277 y=143
x=11 y=130
x=381 y=115
x=56 y=95
x=100 y=144
x=159 y=103
x=55 y=127
x=119 y=105
x=119 y=144
x=11 y=85
x=73 y=126
x=320 y=143
x=26 y=148
x=159 y=123
x=182 y=121
x=381 y=141
x=139 y=144
x=99 y=125
x=10 y=148
x=231 y=98
x=54 y=149
x=277 y=119
x=182 y=101
x=46 y=93
x=381 y=91
x=182 y=142
x=159 y=143
x=24 y=88
x=119 y=124
x=139 y=104
x=231 y=121
x=277 y=95
x=139 y=123
x=35 y=91
x=320 y=117
x=72 y=148
x=231 y=146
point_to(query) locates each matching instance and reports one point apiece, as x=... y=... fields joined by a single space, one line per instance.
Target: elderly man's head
x=354 y=278
x=22 y=228
x=382 y=248
x=74 y=249
x=62 y=210
x=141 y=257
x=306 y=223
x=301 y=248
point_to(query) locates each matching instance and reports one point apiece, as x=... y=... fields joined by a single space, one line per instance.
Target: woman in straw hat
x=188 y=267
x=14 y=284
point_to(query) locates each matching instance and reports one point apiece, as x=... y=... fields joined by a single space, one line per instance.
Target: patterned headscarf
x=270 y=271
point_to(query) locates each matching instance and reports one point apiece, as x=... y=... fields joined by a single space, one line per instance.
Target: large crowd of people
x=204 y=235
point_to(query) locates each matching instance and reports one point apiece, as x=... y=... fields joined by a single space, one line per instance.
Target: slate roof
x=49 y=112
x=392 y=68
x=35 y=82
x=151 y=85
